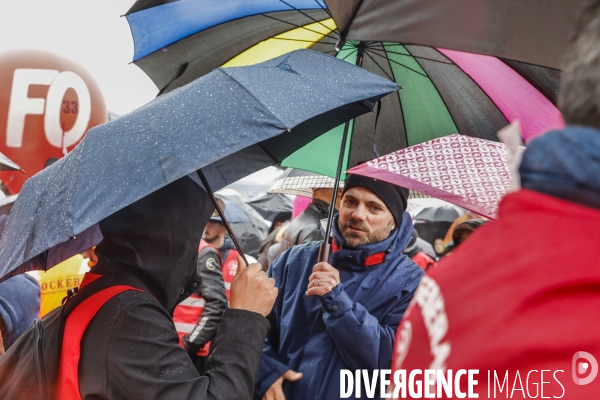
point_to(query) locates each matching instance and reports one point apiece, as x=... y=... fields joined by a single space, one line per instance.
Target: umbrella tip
x=22 y=170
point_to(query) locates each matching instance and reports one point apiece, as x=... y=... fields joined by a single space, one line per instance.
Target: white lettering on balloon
x=20 y=106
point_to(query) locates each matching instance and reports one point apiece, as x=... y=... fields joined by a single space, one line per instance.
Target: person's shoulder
x=304 y=249
x=131 y=301
x=406 y=267
x=299 y=254
x=208 y=251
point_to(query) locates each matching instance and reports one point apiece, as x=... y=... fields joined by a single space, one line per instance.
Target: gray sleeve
x=212 y=289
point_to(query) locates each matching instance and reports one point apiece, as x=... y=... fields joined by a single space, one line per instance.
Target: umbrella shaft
x=326 y=246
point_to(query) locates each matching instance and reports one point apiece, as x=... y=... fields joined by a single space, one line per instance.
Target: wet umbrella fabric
x=468 y=172
x=229 y=123
x=270 y=205
x=535 y=32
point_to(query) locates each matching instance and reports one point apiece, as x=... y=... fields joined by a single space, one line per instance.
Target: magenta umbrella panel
x=469 y=172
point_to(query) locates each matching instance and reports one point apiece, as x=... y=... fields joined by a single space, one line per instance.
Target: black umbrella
x=535 y=32
x=438 y=214
x=433 y=222
x=224 y=126
x=272 y=204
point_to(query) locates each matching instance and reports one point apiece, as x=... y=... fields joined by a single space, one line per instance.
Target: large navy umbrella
x=227 y=124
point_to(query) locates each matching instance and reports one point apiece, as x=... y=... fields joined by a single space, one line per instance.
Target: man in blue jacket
x=342 y=314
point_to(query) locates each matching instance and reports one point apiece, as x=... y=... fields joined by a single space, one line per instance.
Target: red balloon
x=47 y=104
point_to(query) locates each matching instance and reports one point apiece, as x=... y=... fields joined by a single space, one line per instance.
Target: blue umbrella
x=226 y=125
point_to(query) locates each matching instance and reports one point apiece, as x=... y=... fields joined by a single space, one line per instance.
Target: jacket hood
x=564 y=163
x=157 y=239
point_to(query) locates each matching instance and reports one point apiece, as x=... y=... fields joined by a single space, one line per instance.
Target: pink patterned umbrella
x=469 y=172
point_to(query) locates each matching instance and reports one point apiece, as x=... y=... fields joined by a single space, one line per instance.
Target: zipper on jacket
x=39 y=359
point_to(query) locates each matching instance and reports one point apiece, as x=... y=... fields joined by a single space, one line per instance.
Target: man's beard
x=210 y=240
x=354 y=239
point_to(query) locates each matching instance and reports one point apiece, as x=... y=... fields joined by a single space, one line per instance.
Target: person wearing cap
x=214 y=235
x=197 y=318
x=340 y=314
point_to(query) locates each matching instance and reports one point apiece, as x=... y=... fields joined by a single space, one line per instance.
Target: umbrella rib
x=402 y=65
x=400 y=105
x=301 y=26
x=324 y=8
x=303 y=13
x=380 y=67
x=410 y=55
x=441 y=97
x=349 y=54
x=252 y=95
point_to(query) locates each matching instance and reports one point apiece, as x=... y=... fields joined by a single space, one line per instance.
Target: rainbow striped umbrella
x=444 y=92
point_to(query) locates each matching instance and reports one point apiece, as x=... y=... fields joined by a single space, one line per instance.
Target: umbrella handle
x=324 y=250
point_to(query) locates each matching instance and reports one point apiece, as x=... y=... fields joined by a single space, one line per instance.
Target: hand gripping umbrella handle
x=222 y=215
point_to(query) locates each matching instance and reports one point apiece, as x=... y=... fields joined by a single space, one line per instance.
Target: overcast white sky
x=89 y=32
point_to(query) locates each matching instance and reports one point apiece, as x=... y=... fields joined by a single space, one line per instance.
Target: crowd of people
x=194 y=321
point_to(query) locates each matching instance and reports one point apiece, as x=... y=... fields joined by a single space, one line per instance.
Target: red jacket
x=522 y=294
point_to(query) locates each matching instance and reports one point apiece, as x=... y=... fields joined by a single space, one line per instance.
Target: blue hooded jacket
x=352 y=327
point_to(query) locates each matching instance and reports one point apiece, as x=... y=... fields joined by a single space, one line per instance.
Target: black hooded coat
x=130 y=349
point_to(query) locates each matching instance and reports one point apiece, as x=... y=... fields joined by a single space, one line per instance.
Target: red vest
x=229 y=268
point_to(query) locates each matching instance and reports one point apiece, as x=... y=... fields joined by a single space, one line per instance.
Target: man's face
x=213 y=231
x=364 y=218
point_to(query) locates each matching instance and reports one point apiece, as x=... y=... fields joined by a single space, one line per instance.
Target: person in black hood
x=130 y=349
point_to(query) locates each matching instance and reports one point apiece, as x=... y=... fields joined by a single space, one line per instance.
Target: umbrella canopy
x=250 y=233
x=445 y=92
x=469 y=172
x=535 y=32
x=271 y=204
x=438 y=214
x=234 y=213
x=300 y=183
x=228 y=124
